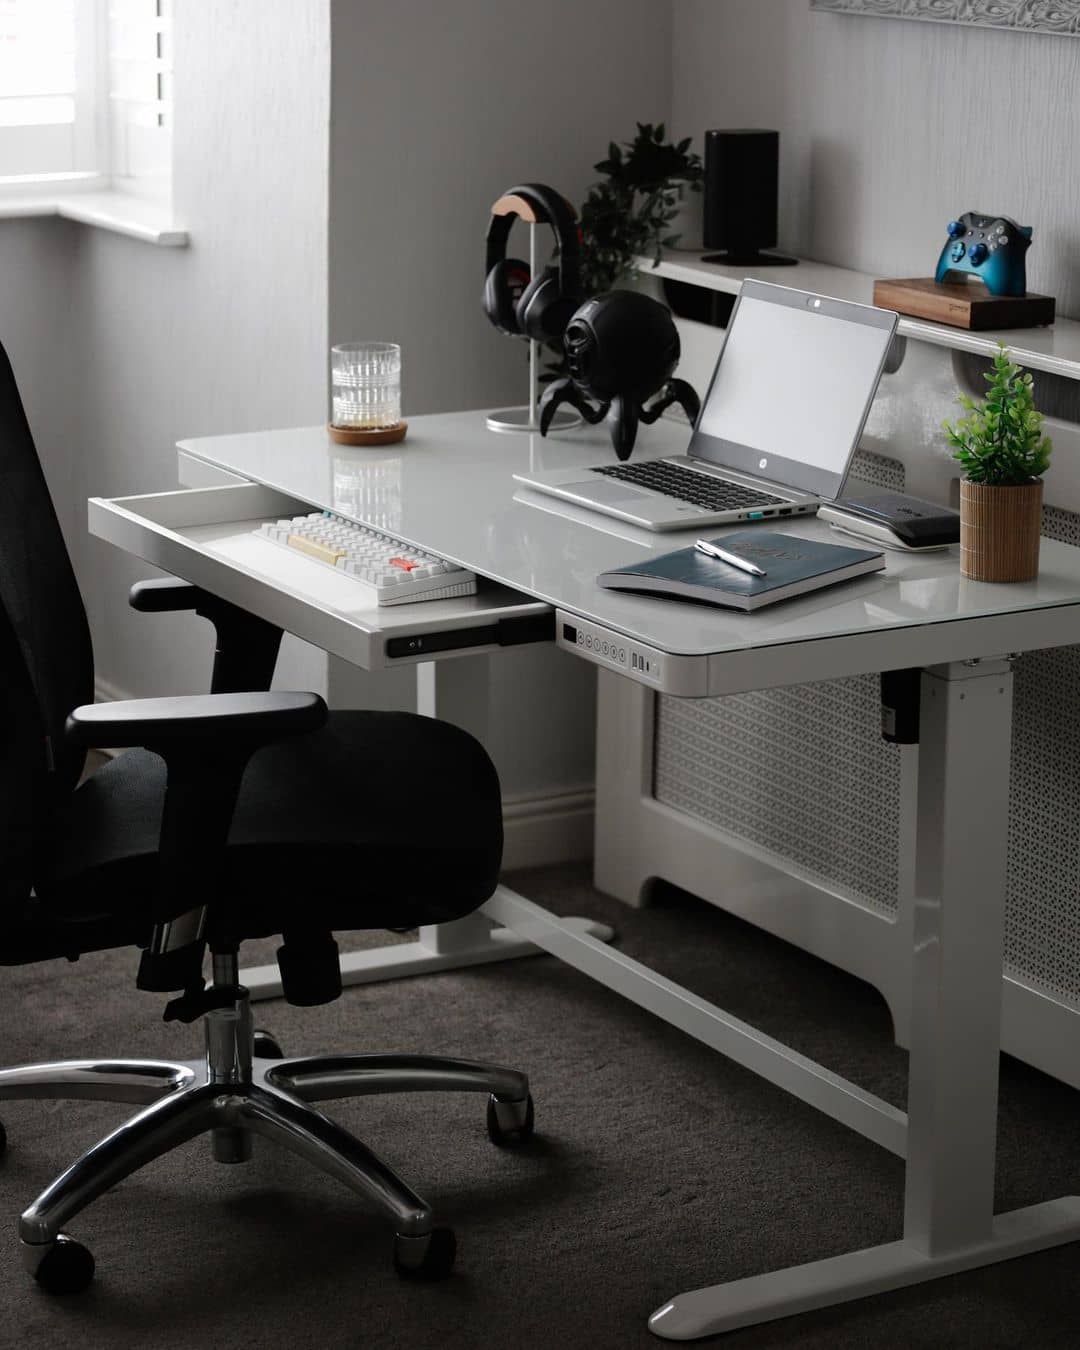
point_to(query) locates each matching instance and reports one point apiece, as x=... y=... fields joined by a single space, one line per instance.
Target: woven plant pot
x=999 y=531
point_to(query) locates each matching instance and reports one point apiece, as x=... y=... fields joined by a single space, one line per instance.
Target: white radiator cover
x=786 y=806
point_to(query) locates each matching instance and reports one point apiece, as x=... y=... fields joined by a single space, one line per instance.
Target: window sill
x=117 y=211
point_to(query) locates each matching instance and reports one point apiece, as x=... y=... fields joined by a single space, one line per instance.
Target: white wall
x=436 y=109
x=300 y=237
x=890 y=128
x=226 y=335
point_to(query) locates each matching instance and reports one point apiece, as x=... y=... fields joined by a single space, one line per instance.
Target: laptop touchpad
x=608 y=492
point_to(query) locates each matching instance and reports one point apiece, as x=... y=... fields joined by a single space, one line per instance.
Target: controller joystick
x=992 y=248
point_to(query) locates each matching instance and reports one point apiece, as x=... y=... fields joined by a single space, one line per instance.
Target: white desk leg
x=949 y=1224
x=457 y=690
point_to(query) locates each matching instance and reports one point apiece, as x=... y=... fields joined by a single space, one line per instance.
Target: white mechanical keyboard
x=394 y=573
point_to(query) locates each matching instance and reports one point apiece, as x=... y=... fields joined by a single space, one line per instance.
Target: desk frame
x=948 y=1136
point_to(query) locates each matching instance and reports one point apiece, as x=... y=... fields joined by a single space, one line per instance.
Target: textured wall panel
x=879 y=146
x=1027 y=16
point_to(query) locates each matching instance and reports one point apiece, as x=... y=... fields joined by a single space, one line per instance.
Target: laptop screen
x=793 y=387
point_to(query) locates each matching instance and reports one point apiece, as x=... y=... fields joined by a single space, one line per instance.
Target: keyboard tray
x=205 y=535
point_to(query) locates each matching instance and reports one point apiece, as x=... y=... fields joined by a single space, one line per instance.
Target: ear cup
x=504 y=287
x=543 y=311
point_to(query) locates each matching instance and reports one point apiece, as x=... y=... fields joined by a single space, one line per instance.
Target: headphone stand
x=525 y=418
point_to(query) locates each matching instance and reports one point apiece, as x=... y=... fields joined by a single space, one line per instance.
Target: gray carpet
x=661 y=1166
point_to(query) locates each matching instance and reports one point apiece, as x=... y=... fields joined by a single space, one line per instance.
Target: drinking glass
x=366 y=381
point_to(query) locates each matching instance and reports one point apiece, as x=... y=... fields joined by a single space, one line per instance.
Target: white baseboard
x=554 y=827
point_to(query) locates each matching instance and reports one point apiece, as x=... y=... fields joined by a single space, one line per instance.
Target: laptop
x=778 y=428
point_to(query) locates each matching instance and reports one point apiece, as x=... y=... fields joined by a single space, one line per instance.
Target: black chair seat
x=378 y=820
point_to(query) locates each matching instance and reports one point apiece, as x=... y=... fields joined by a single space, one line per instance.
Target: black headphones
x=538 y=307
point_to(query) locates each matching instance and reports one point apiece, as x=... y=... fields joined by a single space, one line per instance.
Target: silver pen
x=743 y=564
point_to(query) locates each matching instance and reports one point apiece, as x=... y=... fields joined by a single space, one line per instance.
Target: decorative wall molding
x=1025 y=16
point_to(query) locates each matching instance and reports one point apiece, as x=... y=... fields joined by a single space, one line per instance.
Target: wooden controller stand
x=963 y=304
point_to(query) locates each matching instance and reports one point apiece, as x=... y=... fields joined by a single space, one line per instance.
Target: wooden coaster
x=963 y=304
x=368 y=435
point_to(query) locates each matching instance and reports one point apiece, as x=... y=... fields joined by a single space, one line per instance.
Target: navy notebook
x=793 y=567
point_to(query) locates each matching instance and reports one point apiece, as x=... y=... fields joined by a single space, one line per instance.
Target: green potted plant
x=635 y=208
x=1003 y=453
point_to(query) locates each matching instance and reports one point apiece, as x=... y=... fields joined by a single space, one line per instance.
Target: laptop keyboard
x=700 y=489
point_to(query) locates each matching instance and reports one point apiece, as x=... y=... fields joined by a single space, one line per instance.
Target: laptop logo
x=763 y=463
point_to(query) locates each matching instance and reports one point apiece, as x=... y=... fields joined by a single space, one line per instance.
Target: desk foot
x=782 y=1293
x=465 y=942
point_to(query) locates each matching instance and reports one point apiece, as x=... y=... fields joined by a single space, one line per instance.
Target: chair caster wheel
x=510 y=1124
x=266 y=1046
x=430 y=1258
x=66 y=1268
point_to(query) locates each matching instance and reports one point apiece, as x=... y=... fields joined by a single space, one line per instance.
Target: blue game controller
x=991 y=248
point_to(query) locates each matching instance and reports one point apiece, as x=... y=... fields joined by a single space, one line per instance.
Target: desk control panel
x=681 y=675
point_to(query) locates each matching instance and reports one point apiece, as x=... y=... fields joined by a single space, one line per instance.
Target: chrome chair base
x=233 y=1095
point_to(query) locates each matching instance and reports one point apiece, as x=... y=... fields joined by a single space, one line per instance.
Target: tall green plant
x=1000 y=442
x=628 y=212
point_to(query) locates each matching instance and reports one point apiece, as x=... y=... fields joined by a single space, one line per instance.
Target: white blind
x=38 y=104
x=86 y=92
x=140 y=94
x=37 y=62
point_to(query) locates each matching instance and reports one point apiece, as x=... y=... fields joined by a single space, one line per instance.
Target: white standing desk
x=449 y=489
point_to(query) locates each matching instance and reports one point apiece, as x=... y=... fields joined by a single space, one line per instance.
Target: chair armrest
x=246 y=646
x=168 y=595
x=206 y=741
x=219 y=721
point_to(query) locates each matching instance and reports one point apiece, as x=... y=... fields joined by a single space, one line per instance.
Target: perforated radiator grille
x=802 y=772
x=1042 y=920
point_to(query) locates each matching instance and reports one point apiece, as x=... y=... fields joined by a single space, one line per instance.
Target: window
x=85 y=93
x=40 y=132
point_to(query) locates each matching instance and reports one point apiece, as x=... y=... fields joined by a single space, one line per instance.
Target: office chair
x=238 y=814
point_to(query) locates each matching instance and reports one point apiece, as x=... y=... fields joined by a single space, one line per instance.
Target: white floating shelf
x=1055 y=349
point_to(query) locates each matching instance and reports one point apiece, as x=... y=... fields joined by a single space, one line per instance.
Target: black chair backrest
x=46 y=661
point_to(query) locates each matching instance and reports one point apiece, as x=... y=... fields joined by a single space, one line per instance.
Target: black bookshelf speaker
x=742 y=175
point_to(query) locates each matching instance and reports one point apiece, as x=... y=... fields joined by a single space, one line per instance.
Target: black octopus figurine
x=621 y=350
